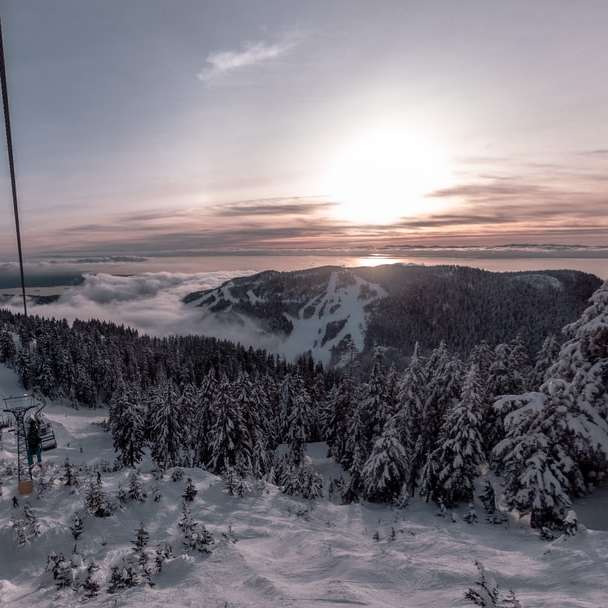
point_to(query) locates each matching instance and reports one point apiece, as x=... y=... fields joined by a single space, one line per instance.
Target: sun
x=383 y=174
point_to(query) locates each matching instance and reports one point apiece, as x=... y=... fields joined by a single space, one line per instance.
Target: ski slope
x=288 y=553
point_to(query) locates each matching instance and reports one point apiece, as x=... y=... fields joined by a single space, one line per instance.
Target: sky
x=146 y=127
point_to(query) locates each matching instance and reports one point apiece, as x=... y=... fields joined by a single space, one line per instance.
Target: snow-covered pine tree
x=190 y=491
x=583 y=359
x=135 y=489
x=488 y=498
x=69 y=475
x=556 y=443
x=460 y=451
x=20 y=534
x=357 y=450
x=485 y=592
x=483 y=357
x=519 y=363
x=31 y=522
x=386 y=468
x=545 y=358
x=91 y=586
x=503 y=379
x=261 y=457
x=140 y=544
x=229 y=436
x=444 y=382
x=298 y=426
x=409 y=417
x=168 y=428
x=76 y=526
x=96 y=501
x=249 y=399
x=8 y=349
x=126 y=420
x=374 y=396
x=536 y=466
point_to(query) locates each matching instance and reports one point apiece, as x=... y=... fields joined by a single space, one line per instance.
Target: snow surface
x=289 y=552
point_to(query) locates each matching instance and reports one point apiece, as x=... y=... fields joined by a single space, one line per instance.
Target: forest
x=538 y=423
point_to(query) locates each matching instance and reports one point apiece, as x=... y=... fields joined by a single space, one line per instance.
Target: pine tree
x=76 y=526
x=229 y=436
x=376 y=410
x=461 y=450
x=135 y=489
x=91 y=586
x=190 y=491
x=126 y=421
x=298 y=426
x=96 y=501
x=385 y=470
x=70 y=477
x=63 y=573
x=485 y=592
x=488 y=498
x=117 y=580
x=503 y=379
x=545 y=358
x=167 y=427
x=443 y=375
x=20 y=534
x=519 y=364
x=8 y=349
x=337 y=409
x=185 y=522
x=32 y=524
x=583 y=359
x=411 y=398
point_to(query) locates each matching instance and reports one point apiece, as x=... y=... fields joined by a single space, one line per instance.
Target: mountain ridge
x=333 y=310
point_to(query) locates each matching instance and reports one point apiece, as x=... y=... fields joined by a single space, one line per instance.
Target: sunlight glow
x=384 y=174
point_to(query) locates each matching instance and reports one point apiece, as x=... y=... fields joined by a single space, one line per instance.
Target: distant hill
x=325 y=310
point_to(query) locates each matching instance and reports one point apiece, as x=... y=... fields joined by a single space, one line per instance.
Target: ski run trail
x=273 y=550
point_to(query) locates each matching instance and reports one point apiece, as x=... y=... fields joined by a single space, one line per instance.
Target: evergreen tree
x=375 y=399
x=461 y=450
x=190 y=491
x=96 y=501
x=385 y=470
x=91 y=586
x=140 y=543
x=167 y=427
x=229 y=436
x=488 y=498
x=545 y=358
x=76 y=526
x=126 y=422
x=411 y=398
x=8 y=350
x=135 y=489
x=298 y=426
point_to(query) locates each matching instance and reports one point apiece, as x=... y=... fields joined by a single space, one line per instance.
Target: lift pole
x=11 y=163
x=24 y=470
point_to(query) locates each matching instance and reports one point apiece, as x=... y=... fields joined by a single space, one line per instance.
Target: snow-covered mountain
x=326 y=310
x=319 y=310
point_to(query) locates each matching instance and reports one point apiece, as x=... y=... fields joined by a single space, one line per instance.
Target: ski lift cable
x=11 y=162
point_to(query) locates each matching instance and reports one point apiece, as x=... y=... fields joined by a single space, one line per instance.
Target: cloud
x=274 y=206
x=151 y=303
x=497 y=187
x=222 y=63
x=148 y=302
x=600 y=152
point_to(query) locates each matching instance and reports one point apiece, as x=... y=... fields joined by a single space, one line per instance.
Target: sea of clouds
x=149 y=302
